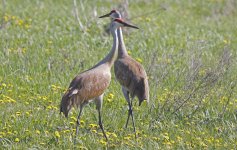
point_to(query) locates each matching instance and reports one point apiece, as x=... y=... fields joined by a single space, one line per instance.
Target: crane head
x=113 y=14
x=121 y=23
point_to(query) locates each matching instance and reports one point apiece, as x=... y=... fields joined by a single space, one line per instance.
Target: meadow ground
x=188 y=50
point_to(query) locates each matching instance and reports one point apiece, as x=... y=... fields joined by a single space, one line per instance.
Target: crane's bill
x=125 y=23
x=107 y=15
x=131 y=26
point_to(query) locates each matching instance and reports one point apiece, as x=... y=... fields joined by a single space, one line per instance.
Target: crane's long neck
x=113 y=54
x=121 y=47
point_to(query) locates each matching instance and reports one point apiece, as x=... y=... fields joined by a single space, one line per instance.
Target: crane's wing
x=132 y=76
x=84 y=87
x=128 y=70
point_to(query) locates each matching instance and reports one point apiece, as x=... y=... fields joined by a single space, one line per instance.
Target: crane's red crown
x=119 y=20
x=113 y=11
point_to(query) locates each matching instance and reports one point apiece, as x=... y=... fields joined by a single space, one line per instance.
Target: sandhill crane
x=129 y=73
x=91 y=84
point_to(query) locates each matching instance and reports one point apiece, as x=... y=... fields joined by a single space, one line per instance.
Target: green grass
x=188 y=50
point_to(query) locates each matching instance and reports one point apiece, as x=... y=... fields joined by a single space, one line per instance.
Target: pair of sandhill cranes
x=91 y=84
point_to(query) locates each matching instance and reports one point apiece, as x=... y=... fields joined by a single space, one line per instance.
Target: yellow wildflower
x=6 y=18
x=13 y=17
x=139 y=60
x=56 y=133
x=148 y=19
x=27 y=113
x=18 y=113
x=82 y=122
x=111 y=95
x=73 y=118
x=127 y=138
x=72 y=123
x=2 y=133
x=114 y=135
x=179 y=138
x=20 y=22
x=66 y=131
x=27 y=130
x=94 y=131
x=49 y=107
x=226 y=41
x=93 y=125
x=17 y=140
x=46 y=132
x=9 y=132
x=4 y=85
x=103 y=142
x=37 y=131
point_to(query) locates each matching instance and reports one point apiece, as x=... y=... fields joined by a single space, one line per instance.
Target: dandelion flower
x=92 y=125
x=73 y=118
x=72 y=123
x=20 y=22
x=66 y=131
x=111 y=95
x=56 y=133
x=27 y=113
x=103 y=142
x=127 y=138
x=6 y=18
x=4 y=85
x=114 y=135
x=82 y=122
x=17 y=140
x=148 y=19
x=46 y=132
x=94 y=131
x=37 y=132
x=139 y=60
x=18 y=113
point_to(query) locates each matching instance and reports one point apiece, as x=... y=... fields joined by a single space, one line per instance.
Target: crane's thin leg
x=126 y=95
x=130 y=112
x=99 y=101
x=133 y=122
x=78 y=122
x=101 y=126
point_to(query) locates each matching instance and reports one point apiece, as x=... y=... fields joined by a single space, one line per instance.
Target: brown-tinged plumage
x=129 y=73
x=91 y=84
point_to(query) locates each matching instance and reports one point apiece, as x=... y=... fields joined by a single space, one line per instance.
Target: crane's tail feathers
x=68 y=101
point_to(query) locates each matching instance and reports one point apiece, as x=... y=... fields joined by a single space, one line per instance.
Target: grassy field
x=188 y=50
